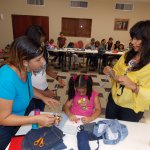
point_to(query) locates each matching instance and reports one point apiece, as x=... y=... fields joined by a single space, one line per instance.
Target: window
x=78 y=4
x=35 y=2
x=76 y=27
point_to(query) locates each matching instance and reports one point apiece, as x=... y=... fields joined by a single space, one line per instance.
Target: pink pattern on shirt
x=82 y=106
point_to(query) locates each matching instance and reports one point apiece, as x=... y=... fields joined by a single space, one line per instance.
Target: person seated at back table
x=79 y=45
x=95 y=56
x=75 y=58
x=82 y=99
x=116 y=46
x=91 y=46
x=121 y=47
x=109 y=44
x=101 y=51
x=113 y=59
x=102 y=47
x=51 y=44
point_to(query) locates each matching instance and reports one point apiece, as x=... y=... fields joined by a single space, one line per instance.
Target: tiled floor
x=101 y=84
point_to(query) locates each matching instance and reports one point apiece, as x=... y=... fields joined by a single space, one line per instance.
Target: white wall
x=101 y=12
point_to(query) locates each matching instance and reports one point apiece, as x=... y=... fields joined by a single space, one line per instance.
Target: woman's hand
x=61 y=82
x=49 y=93
x=124 y=80
x=107 y=70
x=45 y=119
x=51 y=102
x=86 y=119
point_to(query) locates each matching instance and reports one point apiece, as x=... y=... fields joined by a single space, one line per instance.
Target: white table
x=138 y=136
x=74 y=50
x=112 y=53
x=85 y=51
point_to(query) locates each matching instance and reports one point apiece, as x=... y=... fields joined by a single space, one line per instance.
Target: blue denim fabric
x=59 y=146
x=83 y=140
x=115 y=127
x=52 y=136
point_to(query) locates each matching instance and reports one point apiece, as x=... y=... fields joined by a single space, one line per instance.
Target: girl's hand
x=107 y=70
x=45 y=119
x=86 y=119
x=73 y=118
x=124 y=80
x=51 y=102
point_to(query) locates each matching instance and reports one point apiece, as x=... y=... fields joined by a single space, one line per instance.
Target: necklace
x=132 y=63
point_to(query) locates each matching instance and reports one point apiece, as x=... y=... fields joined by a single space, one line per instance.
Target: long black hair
x=140 y=31
x=80 y=81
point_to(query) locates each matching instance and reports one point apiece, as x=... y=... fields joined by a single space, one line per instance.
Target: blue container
x=35 y=125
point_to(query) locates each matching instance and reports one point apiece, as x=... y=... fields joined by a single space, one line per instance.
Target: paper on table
x=70 y=127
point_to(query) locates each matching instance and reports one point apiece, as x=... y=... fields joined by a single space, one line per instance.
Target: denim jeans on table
x=6 y=133
x=83 y=140
x=111 y=131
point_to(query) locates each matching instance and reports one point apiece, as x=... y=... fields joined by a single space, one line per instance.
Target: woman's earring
x=27 y=69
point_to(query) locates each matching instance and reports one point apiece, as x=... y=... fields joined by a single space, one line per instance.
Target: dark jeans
x=114 y=111
x=62 y=59
x=83 y=140
x=6 y=133
x=94 y=60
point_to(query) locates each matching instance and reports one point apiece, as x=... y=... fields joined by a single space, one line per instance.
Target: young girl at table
x=82 y=100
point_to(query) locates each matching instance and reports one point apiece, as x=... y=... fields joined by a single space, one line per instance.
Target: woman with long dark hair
x=130 y=94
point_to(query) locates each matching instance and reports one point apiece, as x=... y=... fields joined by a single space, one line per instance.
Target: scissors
x=39 y=142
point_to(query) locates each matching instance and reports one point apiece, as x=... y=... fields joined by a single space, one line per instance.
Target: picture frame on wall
x=121 y=24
